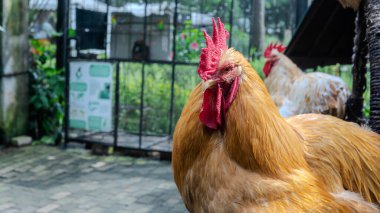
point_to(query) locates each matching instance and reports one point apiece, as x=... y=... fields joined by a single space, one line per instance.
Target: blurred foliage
x=216 y=8
x=130 y=89
x=240 y=40
x=46 y=93
x=157 y=96
x=157 y=93
x=190 y=40
x=186 y=79
x=279 y=17
x=258 y=65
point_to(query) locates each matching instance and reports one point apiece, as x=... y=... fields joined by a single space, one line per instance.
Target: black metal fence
x=154 y=48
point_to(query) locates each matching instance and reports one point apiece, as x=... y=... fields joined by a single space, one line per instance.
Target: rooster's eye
x=228 y=68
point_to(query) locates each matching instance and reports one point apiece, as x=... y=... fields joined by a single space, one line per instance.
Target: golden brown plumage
x=254 y=163
x=341 y=154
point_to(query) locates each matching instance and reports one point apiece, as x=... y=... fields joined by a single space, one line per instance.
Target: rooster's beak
x=207 y=84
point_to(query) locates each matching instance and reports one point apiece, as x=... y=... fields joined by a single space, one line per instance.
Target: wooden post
x=373 y=37
x=258 y=25
x=301 y=8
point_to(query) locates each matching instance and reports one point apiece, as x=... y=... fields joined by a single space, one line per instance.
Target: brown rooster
x=295 y=92
x=234 y=152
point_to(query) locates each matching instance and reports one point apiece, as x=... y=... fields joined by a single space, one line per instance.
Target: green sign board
x=90 y=96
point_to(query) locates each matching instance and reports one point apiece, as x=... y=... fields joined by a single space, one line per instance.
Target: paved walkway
x=46 y=179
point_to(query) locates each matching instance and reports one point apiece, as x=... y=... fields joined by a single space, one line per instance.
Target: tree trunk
x=292 y=16
x=359 y=61
x=14 y=74
x=258 y=26
x=373 y=36
x=301 y=9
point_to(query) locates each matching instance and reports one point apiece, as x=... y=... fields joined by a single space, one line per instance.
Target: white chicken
x=295 y=92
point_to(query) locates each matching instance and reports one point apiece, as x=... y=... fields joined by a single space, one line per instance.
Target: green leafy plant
x=157 y=96
x=258 y=65
x=46 y=93
x=190 y=40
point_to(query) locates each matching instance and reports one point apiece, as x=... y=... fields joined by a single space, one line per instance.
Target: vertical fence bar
x=1 y=42
x=106 y=36
x=141 y=103
x=62 y=27
x=1 y=67
x=1 y=62
x=143 y=79
x=117 y=106
x=62 y=63
x=173 y=67
x=231 y=22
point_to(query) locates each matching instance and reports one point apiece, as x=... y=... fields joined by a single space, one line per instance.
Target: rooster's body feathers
x=341 y=154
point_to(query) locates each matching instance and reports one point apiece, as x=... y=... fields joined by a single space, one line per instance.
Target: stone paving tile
x=60 y=195
x=6 y=206
x=48 y=208
x=44 y=179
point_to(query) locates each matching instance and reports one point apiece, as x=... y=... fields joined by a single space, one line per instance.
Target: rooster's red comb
x=211 y=54
x=276 y=46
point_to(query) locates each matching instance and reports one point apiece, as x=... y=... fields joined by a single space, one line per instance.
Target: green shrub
x=258 y=65
x=157 y=96
x=189 y=42
x=46 y=93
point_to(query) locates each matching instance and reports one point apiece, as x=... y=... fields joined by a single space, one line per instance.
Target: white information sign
x=91 y=96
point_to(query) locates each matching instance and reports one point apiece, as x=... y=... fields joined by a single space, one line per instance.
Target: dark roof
x=324 y=37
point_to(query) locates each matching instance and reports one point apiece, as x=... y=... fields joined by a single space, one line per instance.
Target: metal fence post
x=173 y=68
x=117 y=105
x=62 y=55
x=142 y=80
x=231 y=22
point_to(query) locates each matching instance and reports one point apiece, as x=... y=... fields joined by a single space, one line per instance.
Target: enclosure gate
x=149 y=85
